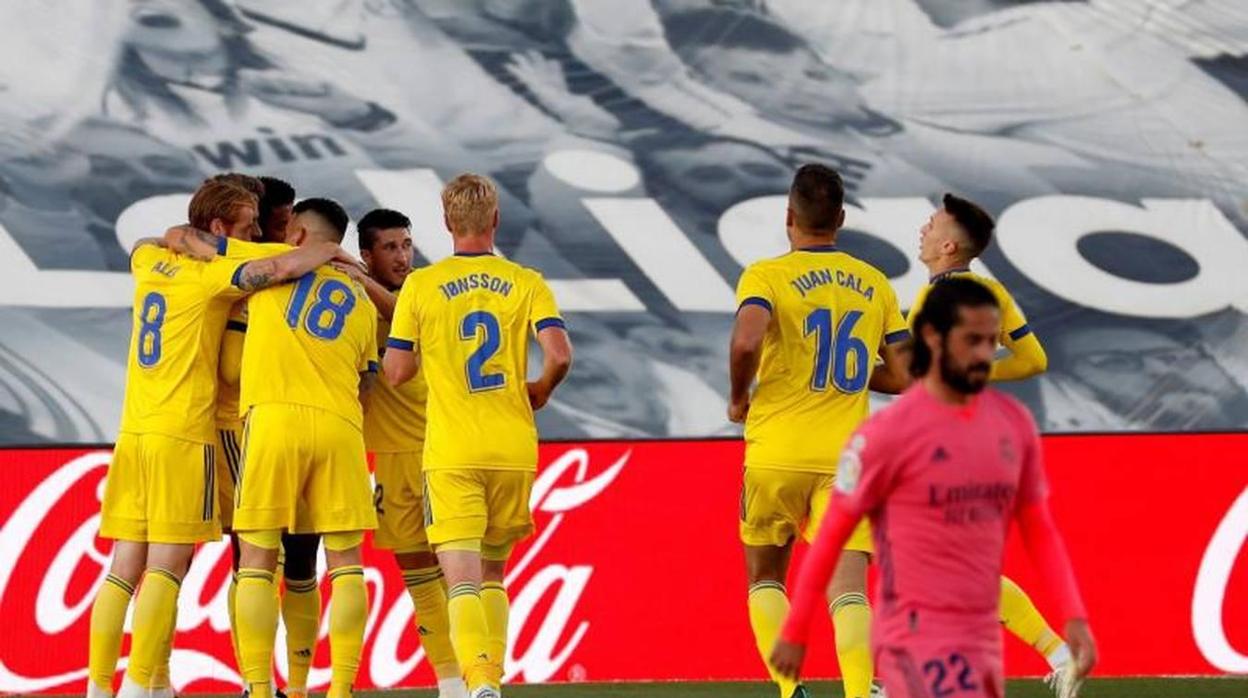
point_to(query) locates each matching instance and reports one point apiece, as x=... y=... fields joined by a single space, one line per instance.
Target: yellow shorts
x=476 y=504
x=304 y=470
x=399 y=498
x=229 y=459
x=160 y=490
x=777 y=505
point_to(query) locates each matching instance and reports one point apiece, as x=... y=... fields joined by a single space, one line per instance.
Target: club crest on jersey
x=849 y=467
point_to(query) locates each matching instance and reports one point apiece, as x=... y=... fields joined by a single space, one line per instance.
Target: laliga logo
x=1210 y=592
x=53 y=616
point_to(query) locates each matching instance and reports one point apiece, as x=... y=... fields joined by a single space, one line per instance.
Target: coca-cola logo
x=52 y=563
x=1212 y=580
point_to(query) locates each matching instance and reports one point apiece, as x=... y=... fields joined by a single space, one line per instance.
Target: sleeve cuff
x=898 y=336
x=223 y=245
x=1020 y=332
x=755 y=300
x=237 y=279
x=550 y=322
x=374 y=367
x=404 y=344
x=236 y=325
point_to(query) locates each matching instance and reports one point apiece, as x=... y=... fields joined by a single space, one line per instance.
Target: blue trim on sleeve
x=396 y=343
x=237 y=279
x=373 y=367
x=223 y=245
x=755 y=300
x=898 y=336
x=550 y=322
x=1020 y=332
x=236 y=325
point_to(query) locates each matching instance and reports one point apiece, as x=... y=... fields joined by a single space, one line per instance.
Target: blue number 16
x=468 y=329
x=832 y=353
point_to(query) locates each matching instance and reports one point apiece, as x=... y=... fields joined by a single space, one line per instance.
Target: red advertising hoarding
x=636 y=573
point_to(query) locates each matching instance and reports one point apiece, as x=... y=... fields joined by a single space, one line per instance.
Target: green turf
x=1100 y=688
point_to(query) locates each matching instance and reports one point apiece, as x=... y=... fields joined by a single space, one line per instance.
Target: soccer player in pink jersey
x=941 y=473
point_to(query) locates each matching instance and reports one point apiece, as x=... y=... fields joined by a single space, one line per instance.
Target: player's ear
x=367 y=256
x=494 y=223
x=788 y=217
x=840 y=219
x=218 y=227
x=930 y=337
x=446 y=220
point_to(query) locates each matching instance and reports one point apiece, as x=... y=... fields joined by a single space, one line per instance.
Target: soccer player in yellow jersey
x=952 y=238
x=810 y=325
x=160 y=498
x=466 y=320
x=394 y=431
x=311 y=351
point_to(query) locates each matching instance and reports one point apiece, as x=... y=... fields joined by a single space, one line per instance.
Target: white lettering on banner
x=1210 y=591
x=1040 y=236
x=202 y=605
x=754 y=230
x=654 y=242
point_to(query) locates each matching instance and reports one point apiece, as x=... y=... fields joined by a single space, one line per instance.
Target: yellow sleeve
x=144 y=256
x=246 y=251
x=917 y=305
x=754 y=289
x=895 y=327
x=404 y=328
x=544 y=312
x=221 y=276
x=1026 y=356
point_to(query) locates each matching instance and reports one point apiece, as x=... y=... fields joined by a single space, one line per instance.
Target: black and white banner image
x=644 y=149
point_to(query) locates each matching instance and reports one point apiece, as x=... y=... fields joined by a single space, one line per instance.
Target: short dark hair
x=330 y=210
x=727 y=28
x=940 y=310
x=377 y=220
x=817 y=197
x=277 y=193
x=973 y=219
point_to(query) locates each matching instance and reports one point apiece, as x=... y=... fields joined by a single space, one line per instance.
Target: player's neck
x=946 y=265
x=805 y=241
x=474 y=244
x=940 y=390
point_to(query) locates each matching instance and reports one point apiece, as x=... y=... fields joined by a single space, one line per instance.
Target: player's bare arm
x=399 y=365
x=192 y=242
x=263 y=273
x=893 y=375
x=378 y=294
x=556 y=362
x=744 y=354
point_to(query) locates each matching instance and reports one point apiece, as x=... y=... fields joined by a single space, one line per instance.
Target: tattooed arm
x=193 y=242
x=263 y=273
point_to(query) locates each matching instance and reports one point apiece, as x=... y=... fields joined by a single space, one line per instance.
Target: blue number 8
x=333 y=298
x=473 y=321
x=151 y=318
x=832 y=353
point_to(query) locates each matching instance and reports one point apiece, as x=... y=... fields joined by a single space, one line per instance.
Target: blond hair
x=469 y=202
x=219 y=198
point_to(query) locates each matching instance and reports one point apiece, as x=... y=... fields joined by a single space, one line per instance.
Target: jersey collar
x=818 y=248
x=948 y=273
x=474 y=254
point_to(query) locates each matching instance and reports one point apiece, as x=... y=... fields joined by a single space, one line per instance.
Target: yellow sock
x=470 y=636
x=257 y=625
x=497 y=611
x=160 y=677
x=427 y=588
x=155 y=608
x=301 y=611
x=231 y=598
x=348 y=614
x=1020 y=616
x=851 y=620
x=768 y=608
x=108 y=619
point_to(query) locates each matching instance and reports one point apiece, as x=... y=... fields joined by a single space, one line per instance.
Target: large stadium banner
x=635 y=571
x=644 y=150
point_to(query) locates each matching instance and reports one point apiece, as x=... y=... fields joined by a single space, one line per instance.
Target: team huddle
x=266 y=362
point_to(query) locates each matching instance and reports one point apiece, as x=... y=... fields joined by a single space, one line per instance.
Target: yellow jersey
x=830 y=313
x=470 y=317
x=394 y=419
x=230 y=366
x=308 y=342
x=179 y=315
x=1013 y=323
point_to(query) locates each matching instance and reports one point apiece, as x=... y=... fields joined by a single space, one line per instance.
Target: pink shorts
x=924 y=668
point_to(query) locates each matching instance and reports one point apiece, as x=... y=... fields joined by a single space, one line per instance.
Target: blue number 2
x=151 y=319
x=327 y=316
x=832 y=353
x=480 y=319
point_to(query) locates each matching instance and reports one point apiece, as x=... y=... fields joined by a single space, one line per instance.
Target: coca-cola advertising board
x=635 y=571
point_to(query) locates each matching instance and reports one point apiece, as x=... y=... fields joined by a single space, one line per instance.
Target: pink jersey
x=940 y=485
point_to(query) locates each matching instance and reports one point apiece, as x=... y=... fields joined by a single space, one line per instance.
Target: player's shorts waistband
x=309 y=409
x=188 y=438
x=782 y=467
